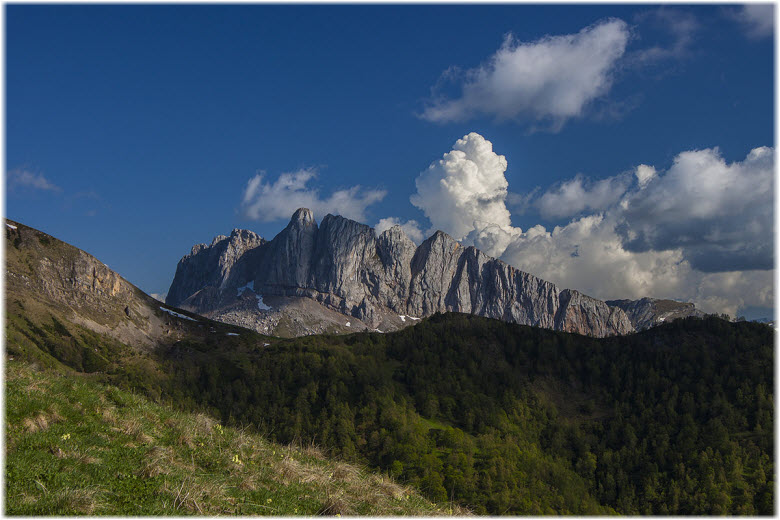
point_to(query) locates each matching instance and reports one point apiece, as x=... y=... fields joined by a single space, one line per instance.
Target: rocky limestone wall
x=345 y=266
x=212 y=265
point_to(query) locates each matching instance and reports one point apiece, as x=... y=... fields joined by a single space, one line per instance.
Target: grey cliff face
x=649 y=312
x=212 y=265
x=286 y=262
x=346 y=267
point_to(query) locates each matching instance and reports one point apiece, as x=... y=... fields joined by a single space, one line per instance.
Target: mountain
x=498 y=417
x=84 y=435
x=45 y=276
x=379 y=282
x=649 y=312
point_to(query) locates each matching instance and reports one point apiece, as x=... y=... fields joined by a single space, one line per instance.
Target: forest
x=501 y=418
x=519 y=420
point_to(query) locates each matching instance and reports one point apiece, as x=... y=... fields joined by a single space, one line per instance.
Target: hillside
x=514 y=419
x=75 y=446
x=501 y=418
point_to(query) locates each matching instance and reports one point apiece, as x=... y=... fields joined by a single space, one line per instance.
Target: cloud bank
x=719 y=215
x=701 y=231
x=579 y=194
x=552 y=79
x=268 y=201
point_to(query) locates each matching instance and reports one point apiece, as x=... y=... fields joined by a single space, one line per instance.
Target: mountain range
x=341 y=276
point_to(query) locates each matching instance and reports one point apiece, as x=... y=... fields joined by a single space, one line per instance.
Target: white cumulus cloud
x=579 y=194
x=587 y=254
x=700 y=231
x=267 y=201
x=644 y=174
x=719 y=214
x=411 y=228
x=466 y=185
x=551 y=79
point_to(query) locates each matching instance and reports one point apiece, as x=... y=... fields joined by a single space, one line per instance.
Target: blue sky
x=133 y=132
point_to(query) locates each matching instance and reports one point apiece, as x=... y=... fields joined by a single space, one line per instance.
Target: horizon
x=623 y=151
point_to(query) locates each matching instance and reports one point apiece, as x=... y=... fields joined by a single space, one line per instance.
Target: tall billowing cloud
x=268 y=201
x=553 y=78
x=465 y=186
x=700 y=231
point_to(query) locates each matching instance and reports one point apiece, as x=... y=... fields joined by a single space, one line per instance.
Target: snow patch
x=231 y=334
x=266 y=344
x=250 y=286
x=177 y=314
x=379 y=331
x=403 y=318
x=348 y=324
x=10 y=226
x=261 y=305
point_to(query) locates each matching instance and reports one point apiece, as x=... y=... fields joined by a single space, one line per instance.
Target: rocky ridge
x=379 y=282
x=649 y=312
x=45 y=276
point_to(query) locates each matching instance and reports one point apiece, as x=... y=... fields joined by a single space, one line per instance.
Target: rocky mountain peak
x=302 y=217
x=381 y=280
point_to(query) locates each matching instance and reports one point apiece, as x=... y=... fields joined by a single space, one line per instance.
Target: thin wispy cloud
x=681 y=26
x=757 y=20
x=22 y=178
x=266 y=201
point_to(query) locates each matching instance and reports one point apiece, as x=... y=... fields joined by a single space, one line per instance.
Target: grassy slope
x=76 y=446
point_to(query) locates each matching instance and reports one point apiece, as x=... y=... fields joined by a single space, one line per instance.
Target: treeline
x=518 y=420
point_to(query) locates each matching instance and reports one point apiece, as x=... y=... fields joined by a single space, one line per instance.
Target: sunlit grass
x=77 y=447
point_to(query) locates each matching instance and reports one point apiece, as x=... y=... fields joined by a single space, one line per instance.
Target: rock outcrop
x=649 y=312
x=346 y=267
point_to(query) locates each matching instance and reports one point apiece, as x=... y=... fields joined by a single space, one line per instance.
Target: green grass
x=80 y=447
